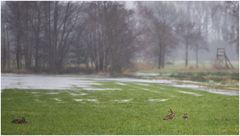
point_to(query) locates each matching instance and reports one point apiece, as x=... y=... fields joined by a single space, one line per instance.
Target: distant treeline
x=50 y=35
x=58 y=36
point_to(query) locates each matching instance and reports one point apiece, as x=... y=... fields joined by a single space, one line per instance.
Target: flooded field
x=90 y=82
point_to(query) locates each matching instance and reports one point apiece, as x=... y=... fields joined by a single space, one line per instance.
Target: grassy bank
x=221 y=79
x=126 y=109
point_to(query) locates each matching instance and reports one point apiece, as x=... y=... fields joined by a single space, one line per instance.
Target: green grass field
x=131 y=109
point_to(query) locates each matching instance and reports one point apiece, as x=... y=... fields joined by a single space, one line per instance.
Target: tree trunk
x=3 y=51
x=37 y=39
x=186 y=54
x=50 y=51
x=197 y=48
x=27 y=39
x=54 y=38
x=159 y=56
x=18 y=51
x=163 y=57
x=18 y=41
x=8 y=50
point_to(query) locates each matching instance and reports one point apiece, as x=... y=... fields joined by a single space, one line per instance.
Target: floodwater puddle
x=78 y=100
x=146 y=74
x=123 y=100
x=141 y=84
x=89 y=82
x=57 y=99
x=190 y=93
x=53 y=93
x=120 y=83
x=86 y=100
x=91 y=100
x=157 y=100
x=77 y=94
x=35 y=92
x=100 y=89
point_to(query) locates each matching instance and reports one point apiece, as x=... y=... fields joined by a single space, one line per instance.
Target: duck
x=19 y=121
x=170 y=115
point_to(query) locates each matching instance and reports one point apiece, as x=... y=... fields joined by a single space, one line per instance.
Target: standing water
x=89 y=82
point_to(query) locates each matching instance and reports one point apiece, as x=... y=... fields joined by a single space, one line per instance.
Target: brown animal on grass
x=185 y=116
x=170 y=115
x=19 y=121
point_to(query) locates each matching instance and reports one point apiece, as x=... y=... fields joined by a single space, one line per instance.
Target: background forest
x=52 y=36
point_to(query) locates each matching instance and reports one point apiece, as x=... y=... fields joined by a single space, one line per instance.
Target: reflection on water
x=31 y=81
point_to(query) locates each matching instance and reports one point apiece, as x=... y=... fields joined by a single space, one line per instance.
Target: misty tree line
x=47 y=35
x=191 y=25
x=106 y=36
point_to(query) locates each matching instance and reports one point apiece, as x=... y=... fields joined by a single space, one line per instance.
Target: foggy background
x=115 y=36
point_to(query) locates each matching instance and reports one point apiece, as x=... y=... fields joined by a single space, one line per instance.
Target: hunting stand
x=222 y=60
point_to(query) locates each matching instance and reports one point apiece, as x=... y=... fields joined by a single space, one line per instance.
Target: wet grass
x=206 y=76
x=220 y=80
x=208 y=114
x=228 y=80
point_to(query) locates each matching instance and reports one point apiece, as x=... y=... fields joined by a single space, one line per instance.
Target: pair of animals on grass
x=171 y=115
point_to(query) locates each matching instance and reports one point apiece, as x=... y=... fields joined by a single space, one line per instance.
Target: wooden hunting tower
x=222 y=60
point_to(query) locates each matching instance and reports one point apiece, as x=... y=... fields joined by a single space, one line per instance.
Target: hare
x=19 y=121
x=170 y=115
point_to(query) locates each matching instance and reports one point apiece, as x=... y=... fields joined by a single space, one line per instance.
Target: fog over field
x=115 y=36
x=119 y=67
x=210 y=54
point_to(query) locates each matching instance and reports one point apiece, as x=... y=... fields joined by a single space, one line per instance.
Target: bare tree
x=162 y=19
x=54 y=35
